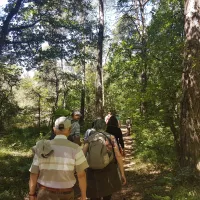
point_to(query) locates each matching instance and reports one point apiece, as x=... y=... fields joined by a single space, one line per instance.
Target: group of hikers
x=61 y=160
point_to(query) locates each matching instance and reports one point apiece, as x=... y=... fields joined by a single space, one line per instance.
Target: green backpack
x=99 y=155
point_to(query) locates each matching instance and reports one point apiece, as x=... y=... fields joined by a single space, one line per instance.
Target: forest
x=135 y=58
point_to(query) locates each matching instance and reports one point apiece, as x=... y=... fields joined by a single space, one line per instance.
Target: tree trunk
x=190 y=105
x=99 y=81
x=143 y=55
x=56 y=89
x=39 y=111
x=83 y=95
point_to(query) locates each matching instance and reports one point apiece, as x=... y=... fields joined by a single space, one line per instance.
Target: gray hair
x=99 y=124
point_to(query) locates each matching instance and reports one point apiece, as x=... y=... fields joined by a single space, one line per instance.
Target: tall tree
x=190 y=106
x=99 y=79
x=26 y=25
x=135 y=16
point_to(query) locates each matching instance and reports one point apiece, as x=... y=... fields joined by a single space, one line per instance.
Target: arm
x=121 y=141
x=32 y=186
x=82 y=184
x=120 y=164
x=34 y=173
x=85 y=148
x=80 y=166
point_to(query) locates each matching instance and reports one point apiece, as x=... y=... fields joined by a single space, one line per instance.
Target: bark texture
x=99 y=80
x=190 y=105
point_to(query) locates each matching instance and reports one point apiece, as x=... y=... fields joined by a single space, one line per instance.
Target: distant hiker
x=108 y=117
x=128 y=125
x=75 y=130
x=103 y=177
x=53 y=166
x=113 y=129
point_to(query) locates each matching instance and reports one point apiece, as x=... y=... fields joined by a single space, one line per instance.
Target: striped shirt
x=57 y=171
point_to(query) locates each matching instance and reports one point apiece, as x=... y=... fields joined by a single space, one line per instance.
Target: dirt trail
x=129 y=191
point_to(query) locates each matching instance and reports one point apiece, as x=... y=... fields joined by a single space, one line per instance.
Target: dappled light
x=136 y=60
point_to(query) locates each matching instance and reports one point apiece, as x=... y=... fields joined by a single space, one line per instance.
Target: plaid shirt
x=57 y=170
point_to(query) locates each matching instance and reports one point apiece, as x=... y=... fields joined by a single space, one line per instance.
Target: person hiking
x=74 y=135
x=75 y=130
x=128 y=126
x=103 y=182
x=113 y=129
x=53 y=166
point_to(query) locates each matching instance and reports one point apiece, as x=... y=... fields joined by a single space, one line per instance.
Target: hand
x=33 y=197
x=122 y=152
x=123 y=179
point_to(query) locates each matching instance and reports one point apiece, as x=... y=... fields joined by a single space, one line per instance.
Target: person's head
x=76 y=115
x=62 y=126
x=109 y=113
x=112 y=121
x=99 y=124
x=93 y=123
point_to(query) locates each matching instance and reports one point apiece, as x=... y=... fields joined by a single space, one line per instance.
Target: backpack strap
x=111 y=145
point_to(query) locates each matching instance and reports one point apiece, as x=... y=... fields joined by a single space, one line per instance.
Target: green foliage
x=157 y=129
x=8 y=106
x=61 y=112
x=15 y=160
x=30 y=105
x=59 y=24
x=154 y=143
x=190 y=192
x=160 y=197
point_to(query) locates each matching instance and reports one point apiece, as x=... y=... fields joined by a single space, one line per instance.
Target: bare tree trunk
x=143 y=107
x=64 y=98
x=99 y=81
x=39 y=111
x=57 y=89
x=190 y=105
x=83 y=94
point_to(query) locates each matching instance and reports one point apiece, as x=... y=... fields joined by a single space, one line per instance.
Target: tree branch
x=145 y=3
x=9 y=17
x=4 y=30
x=24 y=27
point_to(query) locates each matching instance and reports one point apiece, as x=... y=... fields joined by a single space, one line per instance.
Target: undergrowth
x=153 y=145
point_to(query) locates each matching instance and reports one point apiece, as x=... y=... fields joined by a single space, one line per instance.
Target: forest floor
x=145 y=181
x=141 y=178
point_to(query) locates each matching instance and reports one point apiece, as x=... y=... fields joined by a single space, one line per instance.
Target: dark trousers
x=104 y=198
